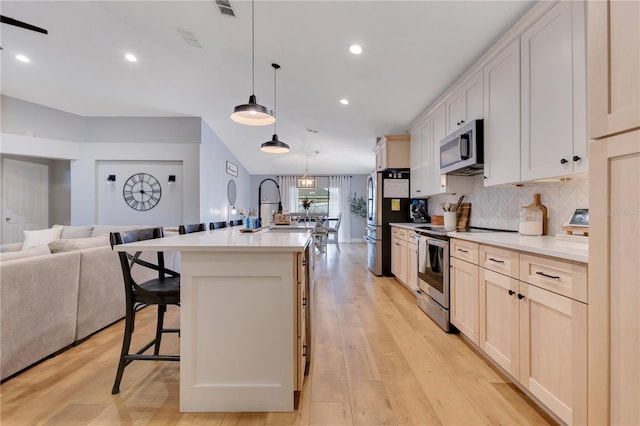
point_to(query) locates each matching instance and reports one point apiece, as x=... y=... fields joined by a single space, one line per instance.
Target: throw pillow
x=35 y=251
x=76 y=231
x=70 y=244
x=41 y=237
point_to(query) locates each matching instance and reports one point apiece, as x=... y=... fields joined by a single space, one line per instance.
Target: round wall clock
x=142 y=192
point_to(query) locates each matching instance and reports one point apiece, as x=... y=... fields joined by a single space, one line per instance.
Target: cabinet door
x=454 y=111
x=402 y=261
x=464 y=298
x=417 y=186
x=412 y=265
x=553 y=351
x=502 y=117
x=381 y=159
x=499 y=331
x=614 y=67
x=438 y=132
x=614 y=294
x=395 y=256
x=472 y=95
x=553 y=111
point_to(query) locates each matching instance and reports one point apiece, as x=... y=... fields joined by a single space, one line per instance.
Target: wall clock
x=142 y=192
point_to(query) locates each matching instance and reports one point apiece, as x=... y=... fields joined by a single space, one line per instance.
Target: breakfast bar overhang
x=243 y=317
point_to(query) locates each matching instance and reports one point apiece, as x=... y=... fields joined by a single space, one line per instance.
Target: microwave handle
x=463 y=143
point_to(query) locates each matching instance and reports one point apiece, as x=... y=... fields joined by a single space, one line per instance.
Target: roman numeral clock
x=142 y=192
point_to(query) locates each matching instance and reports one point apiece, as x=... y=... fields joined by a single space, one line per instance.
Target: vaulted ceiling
x=412 y=51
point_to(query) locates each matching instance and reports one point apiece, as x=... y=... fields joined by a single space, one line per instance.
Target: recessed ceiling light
x=355 y=49
x=344 y=101
x=130 y=57
x=22 y=58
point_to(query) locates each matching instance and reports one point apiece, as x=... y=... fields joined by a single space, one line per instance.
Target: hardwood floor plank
x=376 y=359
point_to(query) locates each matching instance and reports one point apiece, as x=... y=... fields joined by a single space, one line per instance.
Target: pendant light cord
x=275 y=98
x=253 y=49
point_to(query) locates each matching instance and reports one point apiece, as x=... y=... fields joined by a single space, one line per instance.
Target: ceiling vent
x=225 y=7
x=190 y=38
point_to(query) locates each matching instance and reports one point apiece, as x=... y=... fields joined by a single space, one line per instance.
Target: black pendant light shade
x=252 y=113
x=275 y=145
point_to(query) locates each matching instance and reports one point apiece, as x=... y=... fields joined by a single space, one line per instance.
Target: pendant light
x=275 y=145
x=306 y=181
x=252 y=113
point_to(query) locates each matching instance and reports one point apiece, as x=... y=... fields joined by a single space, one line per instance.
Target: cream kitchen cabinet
x=464 y=288
x=465 y=103
x=392 y=152
x=553 y=89
x=404 y=257
x=614 y=204
x=614 y=67
x=443 y=184
x=502 y=117
x=420 y=184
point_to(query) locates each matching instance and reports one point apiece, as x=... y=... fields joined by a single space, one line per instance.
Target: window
x=319 y=198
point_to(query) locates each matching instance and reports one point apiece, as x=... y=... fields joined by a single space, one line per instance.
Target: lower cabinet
x=404 y=257
x=537 y=335
x=464 y=298
x=302 y=337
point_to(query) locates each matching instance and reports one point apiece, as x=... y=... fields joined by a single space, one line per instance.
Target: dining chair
x=217 y=225
x=188 y=229
x=235 y=222
x=161 y=291
x=333 y=231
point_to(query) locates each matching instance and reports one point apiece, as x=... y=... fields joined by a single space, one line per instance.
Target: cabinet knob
x=458 y=123
x=576 y=158
x=418 y=190
x=520 y=296
x=511 y=292
x=563 y=161
x=461 y=121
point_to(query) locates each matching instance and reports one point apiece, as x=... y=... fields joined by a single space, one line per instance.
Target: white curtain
x=340 y=202
x=289 y=193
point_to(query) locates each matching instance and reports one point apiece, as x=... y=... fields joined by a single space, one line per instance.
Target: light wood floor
x=377 y=360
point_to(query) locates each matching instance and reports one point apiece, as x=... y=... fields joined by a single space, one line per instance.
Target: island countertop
x=226 y=239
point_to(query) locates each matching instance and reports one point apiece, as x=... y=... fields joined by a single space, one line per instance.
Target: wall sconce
x=111 y=178
x=172 y=178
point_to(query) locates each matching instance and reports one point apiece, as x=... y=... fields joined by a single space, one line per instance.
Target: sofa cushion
x=71 y=244
x=106 y=229
x=69 y=232
x=41 y=237
x=34 y=251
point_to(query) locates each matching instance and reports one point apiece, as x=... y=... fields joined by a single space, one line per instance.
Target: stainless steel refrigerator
x=387 y=202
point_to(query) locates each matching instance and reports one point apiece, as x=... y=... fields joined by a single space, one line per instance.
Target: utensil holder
x=450 y=219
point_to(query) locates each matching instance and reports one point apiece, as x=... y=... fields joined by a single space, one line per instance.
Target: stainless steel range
x=433 y=275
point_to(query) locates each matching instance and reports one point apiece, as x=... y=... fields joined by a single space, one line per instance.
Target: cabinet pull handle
x=520 y=296
x=304 y=350
x=464 y=251
x=496 y=260
x=511 y=292
x=304 y=263
x=555 y=277
x=563 y=161
x=304 y=301
x=576 y=158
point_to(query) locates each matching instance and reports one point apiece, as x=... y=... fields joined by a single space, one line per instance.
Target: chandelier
x=306 y=181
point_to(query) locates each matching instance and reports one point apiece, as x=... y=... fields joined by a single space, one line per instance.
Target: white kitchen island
x=243 y=317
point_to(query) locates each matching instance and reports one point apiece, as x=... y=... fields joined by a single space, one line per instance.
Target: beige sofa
x=50 y=301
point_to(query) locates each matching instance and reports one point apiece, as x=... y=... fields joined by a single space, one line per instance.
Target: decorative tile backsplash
x=498 y=207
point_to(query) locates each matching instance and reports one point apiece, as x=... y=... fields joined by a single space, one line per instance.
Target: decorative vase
x=533 y=218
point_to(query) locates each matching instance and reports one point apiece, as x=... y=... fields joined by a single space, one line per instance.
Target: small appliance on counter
x=418 y=211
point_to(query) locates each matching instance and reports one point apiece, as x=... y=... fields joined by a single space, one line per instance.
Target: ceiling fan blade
x=15 y=22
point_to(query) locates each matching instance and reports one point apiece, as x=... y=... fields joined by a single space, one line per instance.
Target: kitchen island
x=243 y=317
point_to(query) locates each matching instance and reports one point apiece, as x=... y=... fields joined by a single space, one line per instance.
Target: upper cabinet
x=614 y=66
x=421 y=159
x=392 y=152
x=465 y=103
x=553 y=87
x=502 y=117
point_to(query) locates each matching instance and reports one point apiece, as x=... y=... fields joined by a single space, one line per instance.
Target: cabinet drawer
x=506 y=262
x=464 y=250
x=400 y=233
x=559 y=276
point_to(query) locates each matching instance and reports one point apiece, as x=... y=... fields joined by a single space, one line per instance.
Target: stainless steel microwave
x=461 y=153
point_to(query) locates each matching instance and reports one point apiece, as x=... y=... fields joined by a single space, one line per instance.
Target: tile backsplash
x=498 y=207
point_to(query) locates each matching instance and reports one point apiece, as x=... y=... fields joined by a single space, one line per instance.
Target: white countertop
x=546 y=245
x=225 y=240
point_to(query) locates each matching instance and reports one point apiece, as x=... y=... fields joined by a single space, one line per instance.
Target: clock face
x=142 y=192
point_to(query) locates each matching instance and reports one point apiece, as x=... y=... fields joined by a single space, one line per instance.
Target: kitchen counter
x=546 y=245
x=239 y=317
